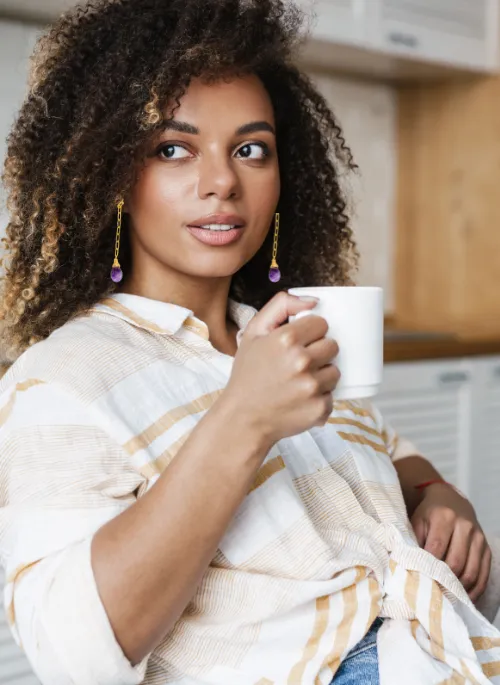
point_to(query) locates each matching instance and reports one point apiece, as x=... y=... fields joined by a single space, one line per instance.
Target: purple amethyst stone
x=116 y=274
x=274 y=274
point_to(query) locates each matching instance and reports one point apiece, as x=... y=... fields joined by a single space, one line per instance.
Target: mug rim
x=336 y=287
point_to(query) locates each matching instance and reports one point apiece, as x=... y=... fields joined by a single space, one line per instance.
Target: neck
x=206 y=298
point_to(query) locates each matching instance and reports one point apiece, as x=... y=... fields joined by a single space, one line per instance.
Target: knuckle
x=478 y=533
x=466 y=526
x=456 y=565
x=446 y=513
x=287 y=339
x=324 y=410
x=301 y=362
x=436 y=544
x=468 y=579
x=311 y=386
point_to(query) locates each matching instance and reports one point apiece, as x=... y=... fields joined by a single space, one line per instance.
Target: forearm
x=149 y=560
x=413 y=471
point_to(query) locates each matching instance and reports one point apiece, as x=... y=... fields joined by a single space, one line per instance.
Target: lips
x=233 y=220
x=217 y=230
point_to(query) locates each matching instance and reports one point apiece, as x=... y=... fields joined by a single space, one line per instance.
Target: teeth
x=218 y=227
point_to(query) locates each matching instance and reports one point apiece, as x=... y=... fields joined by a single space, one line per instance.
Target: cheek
x=158 y=195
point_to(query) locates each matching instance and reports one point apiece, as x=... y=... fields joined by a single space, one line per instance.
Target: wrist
x=237 y=422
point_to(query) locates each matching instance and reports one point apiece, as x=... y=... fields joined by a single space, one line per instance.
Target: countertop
x=405 y=346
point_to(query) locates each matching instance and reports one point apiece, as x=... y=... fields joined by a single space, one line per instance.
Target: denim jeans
x=360 y=667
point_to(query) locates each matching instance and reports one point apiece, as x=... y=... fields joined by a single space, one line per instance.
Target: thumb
x=277 y=312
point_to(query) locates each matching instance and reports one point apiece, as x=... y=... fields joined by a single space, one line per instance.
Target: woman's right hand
x=283 y=375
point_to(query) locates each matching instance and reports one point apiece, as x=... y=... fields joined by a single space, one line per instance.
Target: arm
x=97 y=579
x=412 y=471
x=444 y=522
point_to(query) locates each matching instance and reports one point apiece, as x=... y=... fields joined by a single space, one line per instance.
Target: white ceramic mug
x=355 y=317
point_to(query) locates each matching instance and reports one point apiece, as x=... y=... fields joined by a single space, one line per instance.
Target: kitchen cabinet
x=14 y=667
x=387 y=37
x=429 y=403
x=451 y=32
x=341 y=21
x=447 y=260
x=451 y=411
x=485 y=449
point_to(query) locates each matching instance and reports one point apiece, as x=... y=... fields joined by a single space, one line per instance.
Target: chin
x=219 y=269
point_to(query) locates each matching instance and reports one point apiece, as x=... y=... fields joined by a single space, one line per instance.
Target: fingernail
x=308 y=299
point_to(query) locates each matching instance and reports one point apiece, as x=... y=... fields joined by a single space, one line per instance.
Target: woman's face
x=205 y=199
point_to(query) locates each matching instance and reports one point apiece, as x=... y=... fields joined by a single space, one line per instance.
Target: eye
x=173 y=151
x=253 y=151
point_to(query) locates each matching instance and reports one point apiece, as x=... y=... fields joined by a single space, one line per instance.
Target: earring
x=274 y=271
x=116 y=270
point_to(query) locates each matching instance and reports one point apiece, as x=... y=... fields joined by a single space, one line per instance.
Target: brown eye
x=172 y=151
x=253 y=151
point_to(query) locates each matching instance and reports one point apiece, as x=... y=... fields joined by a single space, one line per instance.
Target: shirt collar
x=166 y=318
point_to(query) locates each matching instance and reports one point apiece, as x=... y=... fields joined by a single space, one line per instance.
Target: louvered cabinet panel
x=14 y=667
x=429 y=404
x=454 y=32
x=485 y=454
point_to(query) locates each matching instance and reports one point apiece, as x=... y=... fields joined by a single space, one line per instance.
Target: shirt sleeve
x=398 y=446
x=61 y=479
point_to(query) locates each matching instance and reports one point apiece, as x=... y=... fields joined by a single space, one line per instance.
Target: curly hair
x=102 y=78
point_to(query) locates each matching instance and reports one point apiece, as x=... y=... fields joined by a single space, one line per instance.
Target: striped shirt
x=320 y=547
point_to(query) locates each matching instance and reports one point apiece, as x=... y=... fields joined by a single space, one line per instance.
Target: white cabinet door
x=485 y=453
x=14 y=668
x=429 y=403
x=453 y=32
x=340 y=21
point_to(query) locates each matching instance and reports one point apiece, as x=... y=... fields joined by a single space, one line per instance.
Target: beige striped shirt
x=320 y=546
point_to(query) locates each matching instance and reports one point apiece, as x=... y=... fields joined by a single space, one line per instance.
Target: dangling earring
x=274 y=271
x=116 y=270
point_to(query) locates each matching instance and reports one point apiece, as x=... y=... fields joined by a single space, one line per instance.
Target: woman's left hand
x=445 y=524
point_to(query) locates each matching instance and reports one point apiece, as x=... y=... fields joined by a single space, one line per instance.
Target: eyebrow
x=246 y=129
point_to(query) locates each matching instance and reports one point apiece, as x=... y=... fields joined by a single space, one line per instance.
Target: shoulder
x=82 y=358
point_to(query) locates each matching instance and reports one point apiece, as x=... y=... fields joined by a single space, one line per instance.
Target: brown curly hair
x=101 y=80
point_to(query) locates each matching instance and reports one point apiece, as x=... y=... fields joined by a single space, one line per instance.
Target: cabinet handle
x=407 y=40
x=454 y=377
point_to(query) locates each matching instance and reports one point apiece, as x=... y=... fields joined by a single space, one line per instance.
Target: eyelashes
x=173 y=151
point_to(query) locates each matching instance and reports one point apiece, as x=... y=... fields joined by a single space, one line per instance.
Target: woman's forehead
x=232 y=102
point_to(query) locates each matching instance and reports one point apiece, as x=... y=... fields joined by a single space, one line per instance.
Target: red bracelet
x=436 y=481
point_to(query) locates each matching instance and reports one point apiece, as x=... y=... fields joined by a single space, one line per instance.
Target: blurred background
x=415 y=85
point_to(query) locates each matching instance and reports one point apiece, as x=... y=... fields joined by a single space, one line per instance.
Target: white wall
x=367 y=114
x=16 y=44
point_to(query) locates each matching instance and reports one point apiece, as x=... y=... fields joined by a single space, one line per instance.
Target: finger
x=439 y=535
x=470 y=575
x=277 y=311
x=307 y=330
x=322 y=352
x=484 y=575
x=420 y=528
x=458 y=551
x=328 y=378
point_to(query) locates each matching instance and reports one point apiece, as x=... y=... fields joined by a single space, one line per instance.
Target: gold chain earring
x=116 y=270
x=274 y=271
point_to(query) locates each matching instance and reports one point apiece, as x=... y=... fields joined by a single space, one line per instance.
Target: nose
x=218 y=178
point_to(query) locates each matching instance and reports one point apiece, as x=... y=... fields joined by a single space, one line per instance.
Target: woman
x=169 y=514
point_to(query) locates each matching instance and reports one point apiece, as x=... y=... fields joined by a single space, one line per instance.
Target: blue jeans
x=360 y=667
